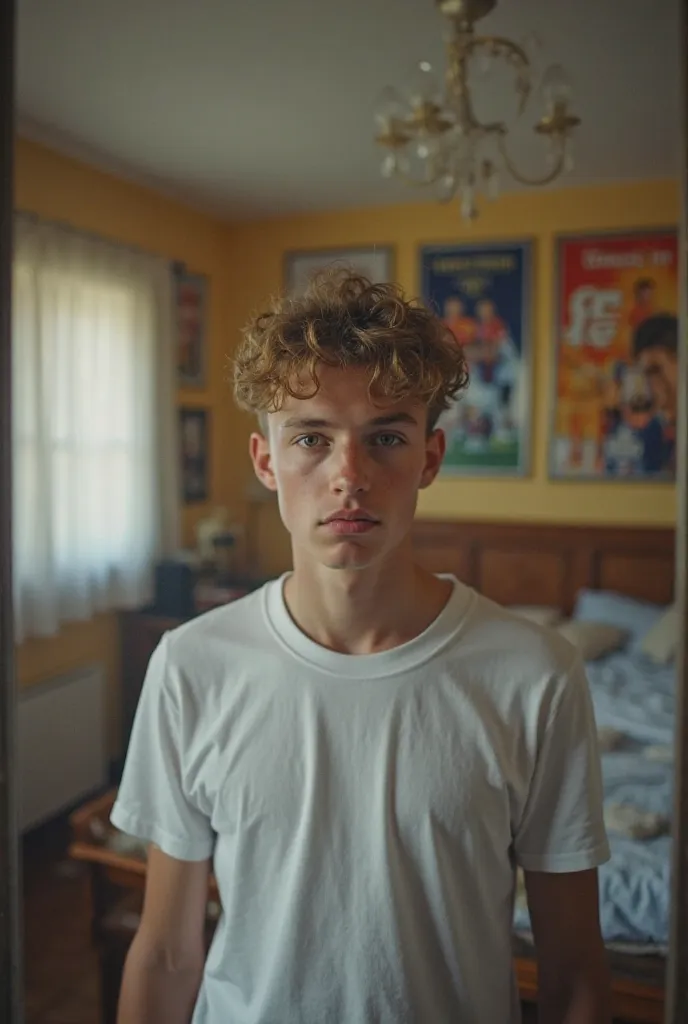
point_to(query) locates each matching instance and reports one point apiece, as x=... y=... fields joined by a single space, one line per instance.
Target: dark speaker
x=174 y=590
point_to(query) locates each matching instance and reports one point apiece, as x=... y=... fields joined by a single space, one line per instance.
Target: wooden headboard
x=545 y=564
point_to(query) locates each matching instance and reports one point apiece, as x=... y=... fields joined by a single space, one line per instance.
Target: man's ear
x=435 y=447
x=259 y=448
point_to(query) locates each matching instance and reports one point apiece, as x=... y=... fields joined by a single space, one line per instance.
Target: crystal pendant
x=493 y=184
x=389 y=108
x=468 y=210
x=555 y=87
x=423 y=87
x=388 y=167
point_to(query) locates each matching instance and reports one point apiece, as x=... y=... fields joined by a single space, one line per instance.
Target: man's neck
x=364 y=611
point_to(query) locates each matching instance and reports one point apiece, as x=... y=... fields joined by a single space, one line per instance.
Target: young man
x=462 y=326
x=655 y=347
x=644 y=294
x=364 y=749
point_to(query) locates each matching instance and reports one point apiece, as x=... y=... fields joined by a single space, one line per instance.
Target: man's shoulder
x=239 y=623
x=516 y=647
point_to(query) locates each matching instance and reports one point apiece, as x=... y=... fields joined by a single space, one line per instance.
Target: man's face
x=638 y=420
x=453 y=309
x=347 y=470
x=645 y=295
x=485 y=310
x=660 y=366
x=639 y=412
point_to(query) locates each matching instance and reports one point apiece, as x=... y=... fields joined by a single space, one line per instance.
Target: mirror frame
x=676 y=1002
x=11 y=951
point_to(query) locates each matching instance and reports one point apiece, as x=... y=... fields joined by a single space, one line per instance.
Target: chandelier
x=432 y=136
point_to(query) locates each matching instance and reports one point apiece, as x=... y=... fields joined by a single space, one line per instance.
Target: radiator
x=61 y=744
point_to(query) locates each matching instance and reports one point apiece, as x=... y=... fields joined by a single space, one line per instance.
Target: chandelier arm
x=523 y=179
x=502 y=46
x=498 y=43
x=462 y=49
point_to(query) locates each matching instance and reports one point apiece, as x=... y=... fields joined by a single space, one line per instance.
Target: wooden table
x=117 y=881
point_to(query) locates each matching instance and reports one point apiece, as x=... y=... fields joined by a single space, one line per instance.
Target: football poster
x=482 y=292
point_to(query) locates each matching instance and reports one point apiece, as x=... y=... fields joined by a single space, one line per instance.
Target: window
x=94 y=480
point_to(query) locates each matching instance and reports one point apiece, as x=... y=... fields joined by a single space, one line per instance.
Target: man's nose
x=351 y=472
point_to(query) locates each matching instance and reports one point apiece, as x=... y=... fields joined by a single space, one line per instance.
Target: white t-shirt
x=365 y=813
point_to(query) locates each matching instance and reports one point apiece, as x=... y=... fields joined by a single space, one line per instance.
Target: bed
x=583 y=572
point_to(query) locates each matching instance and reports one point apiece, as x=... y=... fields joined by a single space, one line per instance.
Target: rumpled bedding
x=634 y=709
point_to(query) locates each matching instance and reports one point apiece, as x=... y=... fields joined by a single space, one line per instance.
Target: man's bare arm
x=164 y=966
x=573 y=971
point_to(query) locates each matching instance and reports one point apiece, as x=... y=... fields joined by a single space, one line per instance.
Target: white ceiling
x=262 y=107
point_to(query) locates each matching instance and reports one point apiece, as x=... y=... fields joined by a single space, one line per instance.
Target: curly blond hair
x=345 y=320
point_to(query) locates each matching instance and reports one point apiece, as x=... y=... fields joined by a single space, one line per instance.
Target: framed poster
x=616 y=361
x=482 y=292
x=375 y=262
x=191 y=326
x=194 y=443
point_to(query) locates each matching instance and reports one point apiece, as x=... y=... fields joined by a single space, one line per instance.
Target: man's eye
x=388 y=440
x=309 y=441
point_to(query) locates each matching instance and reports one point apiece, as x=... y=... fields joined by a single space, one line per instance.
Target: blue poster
x=482 y=292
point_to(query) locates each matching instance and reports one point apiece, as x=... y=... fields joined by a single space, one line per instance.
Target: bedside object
x=174 y=588
x=140 y=633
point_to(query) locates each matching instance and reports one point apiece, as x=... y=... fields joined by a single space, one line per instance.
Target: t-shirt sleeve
x=562 y=826
x=151 y=802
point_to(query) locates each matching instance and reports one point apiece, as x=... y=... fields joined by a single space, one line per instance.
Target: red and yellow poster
x=617 y=357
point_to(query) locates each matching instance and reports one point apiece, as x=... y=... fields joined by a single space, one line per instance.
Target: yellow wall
x=257 y=253
x=62 y=189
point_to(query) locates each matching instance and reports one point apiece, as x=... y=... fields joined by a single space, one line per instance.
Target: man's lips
x=346 y=523
x=353 y=516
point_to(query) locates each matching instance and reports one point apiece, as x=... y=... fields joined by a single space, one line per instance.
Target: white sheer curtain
x=95 y=487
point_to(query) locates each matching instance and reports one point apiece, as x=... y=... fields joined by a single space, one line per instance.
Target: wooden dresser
x=140 y=633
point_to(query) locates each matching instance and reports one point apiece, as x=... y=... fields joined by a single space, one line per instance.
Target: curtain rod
x=37 y=218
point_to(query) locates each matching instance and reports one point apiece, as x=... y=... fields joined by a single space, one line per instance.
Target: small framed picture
x=194 y=443
x=376 y=262
x=191 y=326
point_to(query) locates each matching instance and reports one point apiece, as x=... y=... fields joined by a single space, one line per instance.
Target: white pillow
x=609 y=739
x=635 y=823
x=660 y=642
x=593 y=639
x=659 y=752
x=541 y=614
x=637 y=617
